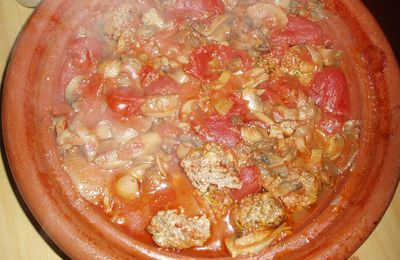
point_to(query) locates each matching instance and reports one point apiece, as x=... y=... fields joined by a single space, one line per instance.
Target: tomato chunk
x=164 y=85
x=299 y=30
x=329 y=91
x=124 y=101
x=251 y=182
x=148 y=75
x=199 y=62
x=240 y=107
x=282 y=92
x=217 y=128
x=93 y=86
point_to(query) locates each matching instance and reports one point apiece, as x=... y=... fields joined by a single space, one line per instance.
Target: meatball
x=211 y=165
x=299 y=189
x=152 y=18
x=177 y=231
x=258 y=212
x=116 y=21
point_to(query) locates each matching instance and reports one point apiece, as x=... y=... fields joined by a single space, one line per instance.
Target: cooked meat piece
x=258 y=212
x=298 y=189
x=211 y=165
x=152 y=22
x=152 y=18
x=176 y=231
x=116 y=21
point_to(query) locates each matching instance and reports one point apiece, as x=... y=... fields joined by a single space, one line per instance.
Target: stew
x=205 y=126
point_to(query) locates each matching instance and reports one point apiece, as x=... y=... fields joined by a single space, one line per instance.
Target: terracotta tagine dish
x=204 y=129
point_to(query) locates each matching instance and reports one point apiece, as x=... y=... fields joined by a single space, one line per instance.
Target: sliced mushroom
x=334 y=146
x=222 y=80
x=160 y=106
x=218 y=29
x=90 y=181
x=251 y=135
x=254 y=242
x=256 y=76
x=140 y=166
x=179 y=76
x=264 y=118
x=73 y=89
x=125 y=136
x=283 y=3
x=103 y=130
x=110 y=161
x=230 y=4
x=187 y=108
x=223 y=105
x=315 y=54
x=330 y=57
x=60 y=123
x=252 y=96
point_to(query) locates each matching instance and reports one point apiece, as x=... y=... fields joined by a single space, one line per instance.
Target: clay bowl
x=340 y=223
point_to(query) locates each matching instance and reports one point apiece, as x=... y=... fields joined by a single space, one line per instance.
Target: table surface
x=20 y=239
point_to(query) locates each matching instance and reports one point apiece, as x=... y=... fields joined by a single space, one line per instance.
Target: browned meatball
x=300 y=189
x=211 y=165
x=258 y=212
x=177 y=231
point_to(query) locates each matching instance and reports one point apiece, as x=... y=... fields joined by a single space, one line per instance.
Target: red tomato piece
x=124 y=101
x=164 y=85
x=200 y=58
x=194 y=8
x=239 y=107
x=271 y=95
x=281 y=92
x=251 y=182
x=329 y=91
x=93 y=86
x=299 y=30
x=217 y=128
x=148 y=75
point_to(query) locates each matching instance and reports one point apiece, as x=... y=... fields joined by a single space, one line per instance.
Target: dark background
x=387 y=13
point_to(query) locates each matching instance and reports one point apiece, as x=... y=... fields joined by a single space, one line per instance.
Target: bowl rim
x=66 y=236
